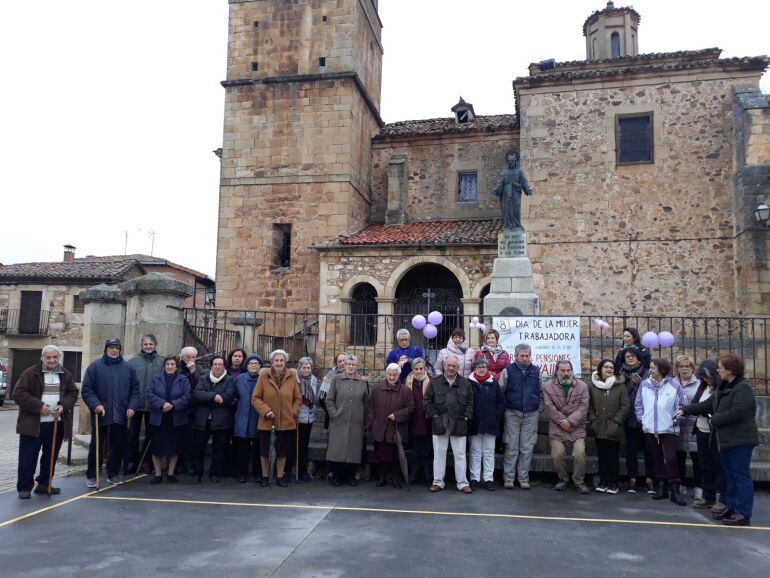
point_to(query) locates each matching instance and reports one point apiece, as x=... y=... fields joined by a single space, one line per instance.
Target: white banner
x=551 y=339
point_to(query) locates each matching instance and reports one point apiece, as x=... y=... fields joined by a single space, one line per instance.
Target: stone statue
x=509 y=188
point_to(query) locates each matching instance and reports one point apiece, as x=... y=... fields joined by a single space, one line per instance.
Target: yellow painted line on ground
x=428 y=512
x=64 y=503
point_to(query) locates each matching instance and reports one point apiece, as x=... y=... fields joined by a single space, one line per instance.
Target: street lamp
x=762 y=213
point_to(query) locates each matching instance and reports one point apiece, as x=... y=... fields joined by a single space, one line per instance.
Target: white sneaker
x=613 y=490
x=509 y=484
x=525 y=485
x=601 y=488
x=697 y=493
x=116 y=481
x=91 y=483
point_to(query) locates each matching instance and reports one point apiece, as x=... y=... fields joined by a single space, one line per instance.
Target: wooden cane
x=297 y=455
x=98 y=464
x=53 y=450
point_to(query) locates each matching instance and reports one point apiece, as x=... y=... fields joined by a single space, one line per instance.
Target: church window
x=322 y=61
x=282 y=245
x=466 y=187
x=255 y=66
x=634 y=138
x=615 y=44
x=363 y=315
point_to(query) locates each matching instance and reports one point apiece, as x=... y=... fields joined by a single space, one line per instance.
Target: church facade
x=646 y=170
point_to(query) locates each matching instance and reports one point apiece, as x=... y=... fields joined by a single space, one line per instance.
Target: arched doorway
x=420 y=283
x=363 y=315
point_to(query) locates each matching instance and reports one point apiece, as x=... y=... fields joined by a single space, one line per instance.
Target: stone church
x=646 y=170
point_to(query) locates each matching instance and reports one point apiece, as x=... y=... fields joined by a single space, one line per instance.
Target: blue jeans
x=739 y=489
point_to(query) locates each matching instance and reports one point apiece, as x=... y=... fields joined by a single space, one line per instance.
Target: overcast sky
x=110 y=111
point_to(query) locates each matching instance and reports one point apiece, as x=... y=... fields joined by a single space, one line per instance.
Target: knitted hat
x=257 y=357
x=113 y=343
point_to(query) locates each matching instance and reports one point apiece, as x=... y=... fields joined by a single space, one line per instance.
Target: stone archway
x=399 y=272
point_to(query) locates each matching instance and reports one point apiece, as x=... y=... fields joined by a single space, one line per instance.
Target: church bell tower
x=612 y=33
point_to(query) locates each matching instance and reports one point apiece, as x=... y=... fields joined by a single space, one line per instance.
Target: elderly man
x=566 y=404
x=404 y=353
x=193 y=373
x=520 y=381
x=448 y=404
x=111 y=390
x=45 y=393
x=147 y=364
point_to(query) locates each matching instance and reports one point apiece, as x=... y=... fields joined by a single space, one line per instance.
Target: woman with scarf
x=497 y=358
x=631 y=339
x=308 y=389
x=245 y=434
x=236 y=365
x=421 y=454
x=684 y=375
x=632 y=373
x=168 y=396
x=277 y=400
x=213 y=396
x=390 y=406
x=457 y=346
x=656 y=407
x=488 y=412
x=609 y=407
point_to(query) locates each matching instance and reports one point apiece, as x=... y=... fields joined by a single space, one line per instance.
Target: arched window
x=363 y=315
x=615 y=45
x=593 y=50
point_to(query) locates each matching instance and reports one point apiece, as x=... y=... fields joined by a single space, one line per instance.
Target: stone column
x=104 y=318
x=471 y=308
x=512 y=291
x=155 y=304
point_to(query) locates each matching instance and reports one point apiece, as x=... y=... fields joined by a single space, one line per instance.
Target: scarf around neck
x=605 y=385
x=306 y=387
x=216 y=380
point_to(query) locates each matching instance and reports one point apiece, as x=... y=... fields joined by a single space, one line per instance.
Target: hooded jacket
x=465 y=357
x=655 y=405
x=113 y=385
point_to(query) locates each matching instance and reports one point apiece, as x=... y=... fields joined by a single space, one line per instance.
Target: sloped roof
x=423 y=233
x=145 y=260
x=438 y=126
x=610 y=10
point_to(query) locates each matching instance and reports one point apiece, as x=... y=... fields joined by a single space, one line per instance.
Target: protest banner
x=551 y=339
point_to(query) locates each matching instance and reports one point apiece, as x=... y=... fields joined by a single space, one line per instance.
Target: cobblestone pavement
x=9 y=451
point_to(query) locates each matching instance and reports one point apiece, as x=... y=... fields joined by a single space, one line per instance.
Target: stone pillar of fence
x=471 y=308
x=104 y=318
x=155 y=304
x=385 y=320
x=246 y=325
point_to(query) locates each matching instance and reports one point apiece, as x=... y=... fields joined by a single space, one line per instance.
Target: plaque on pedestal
x=512 y=243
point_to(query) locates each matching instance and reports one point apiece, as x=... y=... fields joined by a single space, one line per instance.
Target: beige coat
x=346 y=405
x=284 y=401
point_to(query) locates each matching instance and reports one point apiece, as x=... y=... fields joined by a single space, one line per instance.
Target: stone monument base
x=512 y=291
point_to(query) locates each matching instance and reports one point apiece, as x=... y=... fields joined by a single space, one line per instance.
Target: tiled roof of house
x=421 y=233
x=145 y=260
x=683 y=55
x=437 y=126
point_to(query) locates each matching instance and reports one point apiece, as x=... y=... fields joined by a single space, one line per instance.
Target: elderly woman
x=309 y=389
x=632 y=373
x=631 y=339
x=168 y=396
x=213 y=397
x=245 y=432
x=346 y=404
x=607 y=412
x=656 y=406
x=457 y=346
x=684 y=375
x=421 y=455
x=404 y=353
x=193 y=372
x=733 y=409
x=389 y=407
x=277 y=400
x=488 y=412
x=497 y=358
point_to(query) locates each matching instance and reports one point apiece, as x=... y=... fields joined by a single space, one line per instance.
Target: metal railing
x=24 y=322
x=323 y=335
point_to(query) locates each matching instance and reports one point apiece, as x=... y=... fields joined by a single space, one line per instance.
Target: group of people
x=246 y=407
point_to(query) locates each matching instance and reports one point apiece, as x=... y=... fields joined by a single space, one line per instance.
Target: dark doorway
x=445 y=297
x=29 y=314
x=363 y=315
x=23 y=359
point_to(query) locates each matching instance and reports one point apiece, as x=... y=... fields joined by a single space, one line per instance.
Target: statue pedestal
x=512 y=291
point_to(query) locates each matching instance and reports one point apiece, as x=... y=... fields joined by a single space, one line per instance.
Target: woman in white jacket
x=458 y=347
x=659 y=397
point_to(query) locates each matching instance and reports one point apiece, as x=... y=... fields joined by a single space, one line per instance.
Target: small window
x=282 y=245
x=322 y=61
x=615 y=45
x=72 y=362
x=77 y=305
x=256 y=24
x=325 y=19
x=634 y=138
x=255 y=66
x=466 y=187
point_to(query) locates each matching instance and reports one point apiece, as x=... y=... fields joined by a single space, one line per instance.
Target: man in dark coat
x=111 y=390
x=147 y=364
x=449 y=405
x=44 y=393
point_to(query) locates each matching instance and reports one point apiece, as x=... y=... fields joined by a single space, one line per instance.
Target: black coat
x=488 y=406
x=449 y=408
x=204 y=404
x=114 y=386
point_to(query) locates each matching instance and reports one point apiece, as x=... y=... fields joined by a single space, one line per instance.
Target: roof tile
x=420 y=233
x=434 y=126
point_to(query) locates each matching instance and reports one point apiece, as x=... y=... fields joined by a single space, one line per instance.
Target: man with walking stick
x=45 y=394
x=111 y=391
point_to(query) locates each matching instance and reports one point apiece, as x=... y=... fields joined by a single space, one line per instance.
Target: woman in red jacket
x=497 y=358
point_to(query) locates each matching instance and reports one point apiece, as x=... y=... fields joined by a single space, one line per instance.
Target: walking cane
x=144 y=455
x=98 y=463
x=53 y=450
x=297 y=454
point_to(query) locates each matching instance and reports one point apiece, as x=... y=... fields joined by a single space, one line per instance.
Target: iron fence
x=323 y=335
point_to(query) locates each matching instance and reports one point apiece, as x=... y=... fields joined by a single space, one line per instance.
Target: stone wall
x=649 y=238
x=432 y=166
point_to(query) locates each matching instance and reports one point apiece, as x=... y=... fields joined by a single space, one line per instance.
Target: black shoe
x=282 y=482
x=474 y=484
x=242 y=479
x=334 y=482
x=489 y=486
x=197 y=479
x=191 y=471
x=661 y=492
x=676 y=497
x=172 y=479
x=257 y=479
x=24 y=494
x=396 y=482
x=156 y=480
x=264 y=482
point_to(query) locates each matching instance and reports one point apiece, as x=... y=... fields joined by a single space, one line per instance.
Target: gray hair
x=564 y=362
x=303 y=360
x=50 y=349
x=452 y=356
x=393 y=366
x=151 y=337
x=188 y=349
x=418 y=361
x=278 y=352
x=402 y=332
x=351 y=357
x=522 y=347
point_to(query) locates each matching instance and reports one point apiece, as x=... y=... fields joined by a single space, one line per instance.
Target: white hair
x=401 y=332
x=351 y=357
x=452 y=356
x=303 y=360
x=50 y=349
x=188 y=349
x=393 y=366
x=279 y=352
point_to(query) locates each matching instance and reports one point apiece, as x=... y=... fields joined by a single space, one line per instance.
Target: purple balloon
x=430 y=331
x=418 y=322
x=666 y=339
x=650 y=340
x=435 y=318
